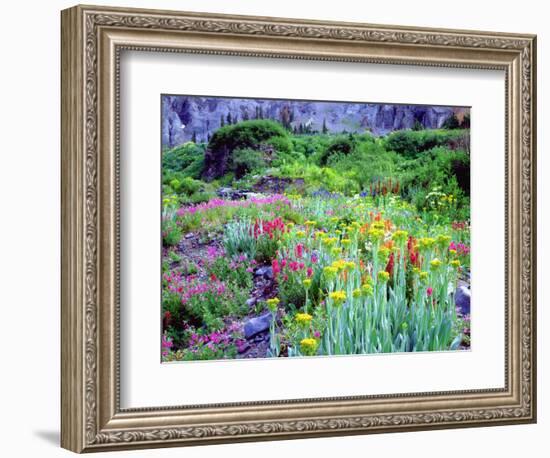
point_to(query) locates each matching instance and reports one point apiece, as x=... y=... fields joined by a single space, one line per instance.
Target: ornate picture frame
x=92 y=41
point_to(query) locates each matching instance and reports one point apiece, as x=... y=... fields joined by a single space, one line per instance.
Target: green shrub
x=190 y=186
x=341 y=145
x=247 y=160
x=255 y=134
x=171 y=233
x=280 y=144
x=410 y=143
x=186 y=159
x=246 y=134
x=184 y=184
x=311 y=145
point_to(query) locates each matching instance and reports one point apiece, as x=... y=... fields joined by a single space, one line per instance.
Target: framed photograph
x=278 y=228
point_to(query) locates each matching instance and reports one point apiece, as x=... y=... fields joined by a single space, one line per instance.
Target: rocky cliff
x=194 y=117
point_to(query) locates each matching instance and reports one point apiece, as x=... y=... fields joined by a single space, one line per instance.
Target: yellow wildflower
x=366 y=289
x=272 y=303
x=303 y=319
x=300 y=234
x=349 y=265
x=383 y=276
x=310 y=223
x=426 y=243
x=455 y=263
x=346 y=242
x=423 y=276
x=329 y=241
x=400 y=237
x=443 y=240
x=338 y=297
x=376 y=234
x=383 y=254
x=308 y=346
x=307 y=282
x=330 y=272
x=357 y=293
x=435 y=264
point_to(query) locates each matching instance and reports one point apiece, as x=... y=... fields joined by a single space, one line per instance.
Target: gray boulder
x=256 y=325
x=462 y=298
x=266 y=272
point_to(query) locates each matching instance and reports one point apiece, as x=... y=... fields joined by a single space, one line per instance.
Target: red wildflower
x=166 y=320
x=276 y=268
x=389 y=266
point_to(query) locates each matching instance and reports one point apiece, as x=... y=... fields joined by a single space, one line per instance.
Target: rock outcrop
x=188 y=117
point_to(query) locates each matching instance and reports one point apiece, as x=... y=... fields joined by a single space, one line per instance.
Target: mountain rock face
x=196 y=117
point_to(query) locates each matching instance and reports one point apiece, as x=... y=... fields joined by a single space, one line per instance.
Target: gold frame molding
x=92 y=40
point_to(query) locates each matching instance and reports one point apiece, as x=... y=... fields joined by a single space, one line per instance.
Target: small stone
x=256 y=325
x=189 y=235
x=266 y=272
x=462 y=299
x=243 y=347
x=259 y=338
x=251 y=302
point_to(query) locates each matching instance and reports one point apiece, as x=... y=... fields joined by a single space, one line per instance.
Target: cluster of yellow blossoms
x=272 y=304
x=338 y=297
x=308 y=346
x=303 y=319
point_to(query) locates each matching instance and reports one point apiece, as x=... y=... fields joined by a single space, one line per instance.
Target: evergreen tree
x=325 y=130
x=417 y=125
x=285 y=117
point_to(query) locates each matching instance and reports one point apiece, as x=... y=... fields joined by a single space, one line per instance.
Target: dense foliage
x=366 y=239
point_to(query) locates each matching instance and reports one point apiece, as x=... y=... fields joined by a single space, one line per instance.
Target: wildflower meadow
x=282 y=241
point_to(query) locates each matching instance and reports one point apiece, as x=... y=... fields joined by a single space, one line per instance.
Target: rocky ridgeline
x=185 y=117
